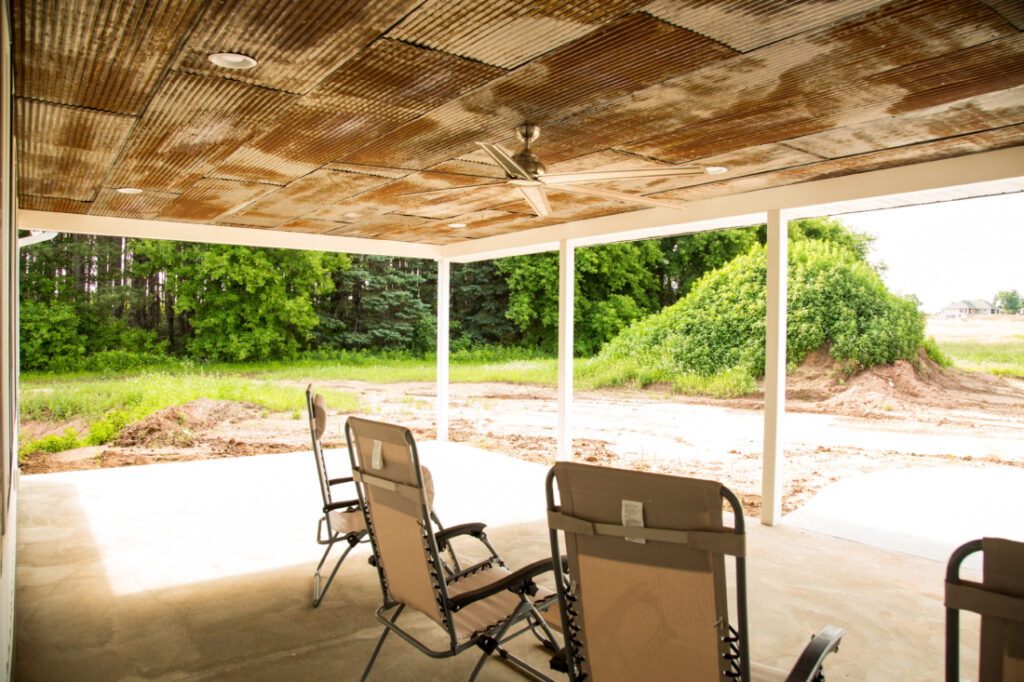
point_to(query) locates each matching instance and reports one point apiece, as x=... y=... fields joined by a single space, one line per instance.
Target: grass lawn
x=984 y=343
x=1001 y=357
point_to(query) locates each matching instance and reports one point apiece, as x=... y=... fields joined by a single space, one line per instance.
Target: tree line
x=84 y=296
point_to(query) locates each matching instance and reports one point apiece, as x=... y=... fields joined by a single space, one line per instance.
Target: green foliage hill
x=835 y=299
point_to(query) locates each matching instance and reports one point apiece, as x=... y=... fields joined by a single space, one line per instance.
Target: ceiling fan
x=526 y=173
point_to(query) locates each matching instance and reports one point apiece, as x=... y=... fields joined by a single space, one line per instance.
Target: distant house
x=968 y=308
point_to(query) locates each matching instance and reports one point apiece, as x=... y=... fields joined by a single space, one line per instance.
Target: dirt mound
x=821 y=384
x=178 y=425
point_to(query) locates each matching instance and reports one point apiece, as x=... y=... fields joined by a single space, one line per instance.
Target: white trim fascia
x=749 y=208
x=35 y=238
x=219 y=234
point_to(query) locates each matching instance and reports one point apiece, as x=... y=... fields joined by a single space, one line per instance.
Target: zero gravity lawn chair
x=483 y=606
x=999 y=598
x=343 y=520
x=645 y=595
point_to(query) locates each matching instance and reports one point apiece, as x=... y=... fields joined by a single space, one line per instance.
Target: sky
x=968 y=249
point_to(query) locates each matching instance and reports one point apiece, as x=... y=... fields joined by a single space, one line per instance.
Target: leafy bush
x=118 y=361
x=931 y=347
x=52 y=443
x=834 y=297
x=50 y=338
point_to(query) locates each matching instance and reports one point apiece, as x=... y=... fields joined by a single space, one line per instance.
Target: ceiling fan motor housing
x=529 y=162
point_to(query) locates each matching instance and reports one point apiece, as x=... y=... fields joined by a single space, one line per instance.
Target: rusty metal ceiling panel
x=297 y=44
x=887 y=158
x=64 y=152
x=813 y=82
x=1011 y=10
x=381 y=227
x=612 y=62
x=506 y=33
x=303 y=196
x=997 y=65
x=145 y=206
x=400 y=196
x=308 y=226
x=210 y=198
x=974 y=114
x=746 y=161
x=249 y=163
x=399 y=75
x=764 y=87
x=34 y=203
x=387 y=85
x=490 y=223
x=748 y=24
x=193 y=124
x=382 y=171
x=101 y=55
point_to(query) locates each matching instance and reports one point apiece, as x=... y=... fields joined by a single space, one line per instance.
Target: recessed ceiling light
x=129 y=190
x=456 y=224
x=715 y=170
x=232 y=60
x=351 y=215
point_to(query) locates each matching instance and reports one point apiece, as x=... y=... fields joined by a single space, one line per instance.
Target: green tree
x=686 y=258
x=480 y=299
x=615 y=285
x=380 y=302
x=247 y=303
x=1008 y=301
x=49 y=335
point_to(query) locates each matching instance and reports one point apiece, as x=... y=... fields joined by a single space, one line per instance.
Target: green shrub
x=835 y=299
x=52 y=443
x=110 y=362
x=931 y=347
x=49 y=336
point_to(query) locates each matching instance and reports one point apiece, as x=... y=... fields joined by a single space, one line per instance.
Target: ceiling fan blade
x=452 y=189
x=619 y=196
x=534 y=196
x=624 y=174
x=507 y=163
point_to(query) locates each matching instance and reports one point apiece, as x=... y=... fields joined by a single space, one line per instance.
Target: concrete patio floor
x=203 y=570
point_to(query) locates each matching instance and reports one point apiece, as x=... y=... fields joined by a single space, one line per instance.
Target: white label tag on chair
x=633 y=517
x=377 y=462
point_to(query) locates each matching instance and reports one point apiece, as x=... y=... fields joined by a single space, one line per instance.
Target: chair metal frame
x=352 y=538
x=520 y=582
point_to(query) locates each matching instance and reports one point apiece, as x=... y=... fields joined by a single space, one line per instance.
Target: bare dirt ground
x=899 y=415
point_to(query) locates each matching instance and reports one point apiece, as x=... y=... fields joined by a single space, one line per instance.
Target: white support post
x=443 y=306
x=566 y=311
x=775 y=368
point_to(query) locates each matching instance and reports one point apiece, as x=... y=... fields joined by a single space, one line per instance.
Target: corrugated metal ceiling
x=358 y=106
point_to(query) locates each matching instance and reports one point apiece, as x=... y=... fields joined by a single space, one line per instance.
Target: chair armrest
x=520 y=582
x=808 y=666
x=336 y=481
x=443 y=536
x=340 y=505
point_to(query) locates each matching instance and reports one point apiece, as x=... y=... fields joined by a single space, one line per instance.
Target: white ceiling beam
x=219 y=234
x=749 y=208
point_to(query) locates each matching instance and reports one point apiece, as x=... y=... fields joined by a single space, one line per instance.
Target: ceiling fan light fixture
x=129 y=190
x=715 y=170
x=232 y=60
